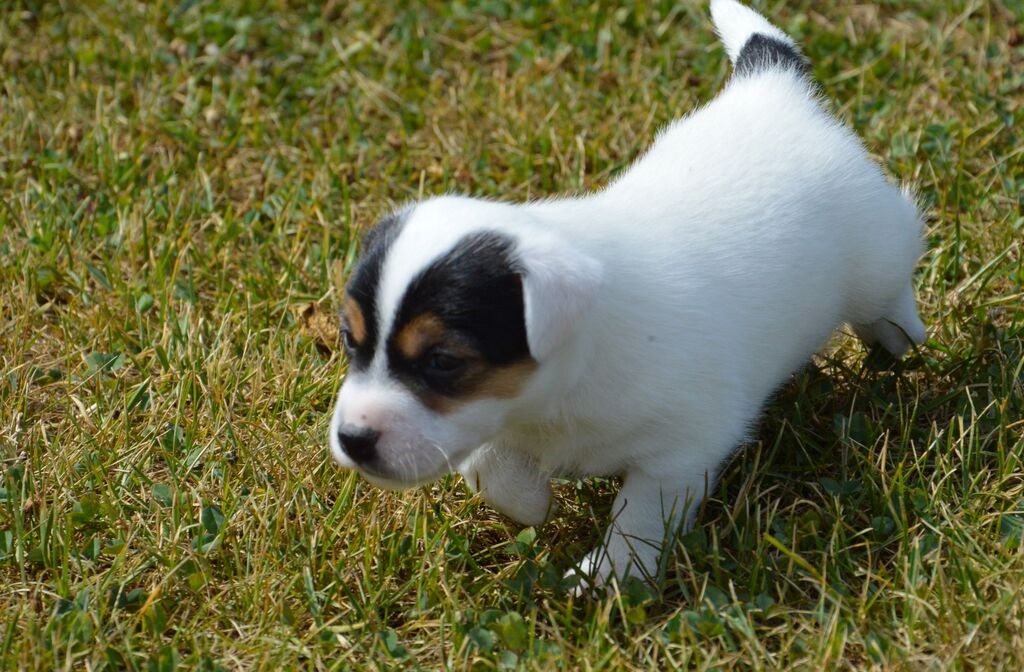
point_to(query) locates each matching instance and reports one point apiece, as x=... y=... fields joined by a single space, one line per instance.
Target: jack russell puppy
x=636 y=330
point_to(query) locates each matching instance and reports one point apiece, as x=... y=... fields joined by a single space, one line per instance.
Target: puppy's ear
x=559 y=283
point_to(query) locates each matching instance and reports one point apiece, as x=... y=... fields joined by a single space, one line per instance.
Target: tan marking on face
x=419 y=334
x=354 y=318
x=503 y=382
x=484 y=381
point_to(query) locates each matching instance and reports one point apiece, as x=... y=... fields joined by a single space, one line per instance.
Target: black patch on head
x=476 y=290
x=762 y=53
x=366 y=280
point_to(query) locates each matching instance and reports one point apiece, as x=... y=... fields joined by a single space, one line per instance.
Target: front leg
x=510 y=481
x=648 y=510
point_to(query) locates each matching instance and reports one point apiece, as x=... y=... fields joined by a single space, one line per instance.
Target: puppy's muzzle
x=358 y=443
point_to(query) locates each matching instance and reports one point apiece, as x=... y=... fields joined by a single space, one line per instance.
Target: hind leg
x=897 y=329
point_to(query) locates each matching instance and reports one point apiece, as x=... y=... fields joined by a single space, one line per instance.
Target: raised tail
x=754 y=45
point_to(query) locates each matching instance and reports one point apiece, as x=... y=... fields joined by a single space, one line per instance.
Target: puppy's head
x=454 y=311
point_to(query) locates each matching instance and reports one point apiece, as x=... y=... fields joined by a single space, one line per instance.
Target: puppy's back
x=759 y=224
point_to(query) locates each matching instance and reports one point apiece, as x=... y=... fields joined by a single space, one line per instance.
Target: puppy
x=636 y=330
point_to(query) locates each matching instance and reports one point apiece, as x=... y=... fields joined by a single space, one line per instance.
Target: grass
x=181 y=189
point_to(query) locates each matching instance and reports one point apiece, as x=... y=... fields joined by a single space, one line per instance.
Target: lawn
x=182 y=189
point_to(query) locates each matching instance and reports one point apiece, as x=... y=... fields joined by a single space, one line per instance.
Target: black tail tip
x=761 y=53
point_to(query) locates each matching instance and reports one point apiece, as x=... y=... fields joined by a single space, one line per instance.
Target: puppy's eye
x=347 y=340
x=444 y=363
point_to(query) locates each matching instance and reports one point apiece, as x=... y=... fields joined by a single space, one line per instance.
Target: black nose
x=359 y=443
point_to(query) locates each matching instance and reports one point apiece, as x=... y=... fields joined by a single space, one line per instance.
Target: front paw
x=530 y=508
x=599 y=571
x=523 y=497
x=592 y=575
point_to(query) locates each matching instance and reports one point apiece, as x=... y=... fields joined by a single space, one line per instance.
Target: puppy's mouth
x=397 y=458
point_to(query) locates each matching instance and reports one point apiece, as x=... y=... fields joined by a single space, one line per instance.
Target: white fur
x=734 y=23
x=664 y=309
